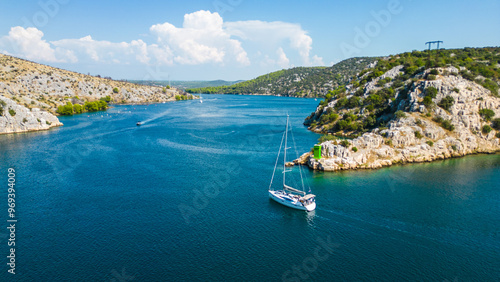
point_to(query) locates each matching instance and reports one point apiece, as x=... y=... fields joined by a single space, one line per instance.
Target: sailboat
x=289 y=196
x=201 y=99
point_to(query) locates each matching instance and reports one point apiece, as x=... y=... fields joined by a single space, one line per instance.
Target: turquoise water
x=184 y=198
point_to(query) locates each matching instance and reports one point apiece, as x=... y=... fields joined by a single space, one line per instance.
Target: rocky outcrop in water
x=420 y=135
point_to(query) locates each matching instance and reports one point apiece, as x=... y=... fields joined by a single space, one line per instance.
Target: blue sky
x=232 y=39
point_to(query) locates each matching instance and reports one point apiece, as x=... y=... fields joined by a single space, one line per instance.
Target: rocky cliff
x=15 y=118
x=34 y=92
x=436 y=113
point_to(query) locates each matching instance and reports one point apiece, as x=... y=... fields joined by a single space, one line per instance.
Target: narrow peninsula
x=32 y=95
x=411 y=107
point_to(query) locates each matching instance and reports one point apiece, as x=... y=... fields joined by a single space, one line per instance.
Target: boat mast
x=284 y=157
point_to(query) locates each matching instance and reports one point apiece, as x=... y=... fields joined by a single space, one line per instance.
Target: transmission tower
x=433 y=42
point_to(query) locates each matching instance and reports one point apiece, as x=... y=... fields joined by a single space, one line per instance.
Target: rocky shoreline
x=30 y=94
x=16 y=118
x=419 y=136
x=349 y=161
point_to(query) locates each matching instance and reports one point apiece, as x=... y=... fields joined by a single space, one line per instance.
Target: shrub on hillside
x=446 y=124
x=418 y=134
x=431 y=91
x=400 y=114
x=486 y=129
x=446 y=102
x=345 y=143
x=486 y=114
x=496 y=124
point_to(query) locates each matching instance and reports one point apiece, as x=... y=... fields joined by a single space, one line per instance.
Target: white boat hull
x=286 y=199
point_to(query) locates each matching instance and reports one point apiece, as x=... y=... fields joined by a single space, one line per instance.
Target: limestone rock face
x=41 y=86
x=416 y=137
x=24 y=119
x=26 y=87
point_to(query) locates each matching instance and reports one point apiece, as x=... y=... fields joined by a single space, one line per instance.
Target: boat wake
x=209 y=150
x=155 y=117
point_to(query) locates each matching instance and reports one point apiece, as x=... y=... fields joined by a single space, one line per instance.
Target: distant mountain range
x=186 y=84
x=299 y=81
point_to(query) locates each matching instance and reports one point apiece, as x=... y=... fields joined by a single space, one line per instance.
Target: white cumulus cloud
x=203 y=38
x=28 y=43
x=275 y=33
x=283 y=61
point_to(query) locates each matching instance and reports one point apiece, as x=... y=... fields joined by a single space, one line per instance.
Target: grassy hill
x=299 y=81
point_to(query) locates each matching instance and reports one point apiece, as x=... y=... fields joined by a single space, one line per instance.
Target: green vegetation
x=496 y=124
x=300 y=81
x=325 y=138
x=78 y=109
x=430 y=143
x=2 y=105
x=66 y=109
x=446 y=103
x=183 y=97
x=486 y=129
x=357 y=110
x=446 y=124
x=12 y=112
x=116 y=90
x=430 y=93
x=418 y=134
x=354 y=149
x=95 y=106
x=486 y=114
x=184 y=84
x=399 y=114
x=106 y=99
x=70 y=109
x=345 y=143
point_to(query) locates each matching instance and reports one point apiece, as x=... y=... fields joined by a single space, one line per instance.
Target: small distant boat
x=139 y=123
x=289 y=196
